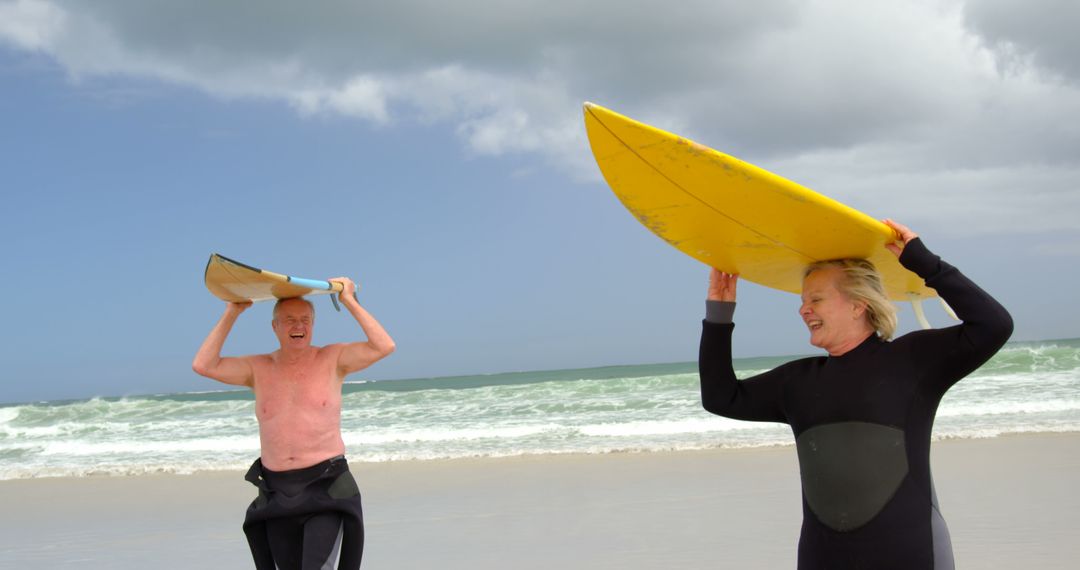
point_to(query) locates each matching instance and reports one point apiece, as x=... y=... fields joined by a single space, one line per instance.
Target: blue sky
x=441 y=161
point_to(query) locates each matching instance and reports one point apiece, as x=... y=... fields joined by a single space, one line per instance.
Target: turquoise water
x=1027 y=387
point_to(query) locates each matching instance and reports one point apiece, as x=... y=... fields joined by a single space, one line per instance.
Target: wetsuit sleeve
x=719 y=311
x=955 y=352
x=754 y=399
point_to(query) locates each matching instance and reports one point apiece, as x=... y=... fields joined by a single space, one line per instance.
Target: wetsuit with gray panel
x=305 y=519
x=862 y=423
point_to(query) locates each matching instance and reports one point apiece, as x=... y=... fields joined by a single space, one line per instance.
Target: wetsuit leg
x=351 y=544
x=286 y=537
x=322 y=541
x=943 y=554
x=306 y=543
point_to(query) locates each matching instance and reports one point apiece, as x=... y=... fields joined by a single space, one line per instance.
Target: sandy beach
x=1010 y=503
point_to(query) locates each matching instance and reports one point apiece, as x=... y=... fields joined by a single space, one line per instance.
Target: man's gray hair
x=280 y=301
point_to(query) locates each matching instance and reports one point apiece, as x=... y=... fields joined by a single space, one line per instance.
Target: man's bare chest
x=299 y=386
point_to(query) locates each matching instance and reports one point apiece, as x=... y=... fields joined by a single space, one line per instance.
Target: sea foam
x=1026 y=387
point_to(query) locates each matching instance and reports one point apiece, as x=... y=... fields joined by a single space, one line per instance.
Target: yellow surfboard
x=230 y=280
x=732 y=215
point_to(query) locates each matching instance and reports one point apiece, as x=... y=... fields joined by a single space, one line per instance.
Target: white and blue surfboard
x=230 y=280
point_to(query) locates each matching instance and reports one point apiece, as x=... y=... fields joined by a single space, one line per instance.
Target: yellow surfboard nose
x=732 y=215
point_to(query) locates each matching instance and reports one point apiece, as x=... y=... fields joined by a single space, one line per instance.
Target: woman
x=862 y=415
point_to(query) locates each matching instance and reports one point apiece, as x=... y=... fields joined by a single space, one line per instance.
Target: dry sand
x=1010 y=503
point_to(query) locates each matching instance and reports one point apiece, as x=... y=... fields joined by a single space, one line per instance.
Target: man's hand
x=236 y=308
x=348 y=288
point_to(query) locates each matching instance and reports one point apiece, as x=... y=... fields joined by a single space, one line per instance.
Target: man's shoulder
x=329 y=347
x=267 y=358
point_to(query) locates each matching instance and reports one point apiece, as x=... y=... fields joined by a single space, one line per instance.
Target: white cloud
x=361 y=97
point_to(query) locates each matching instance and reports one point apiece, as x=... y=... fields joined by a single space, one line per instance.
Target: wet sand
x=1010 y=502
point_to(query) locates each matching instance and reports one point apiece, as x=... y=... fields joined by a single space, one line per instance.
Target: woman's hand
x=722 y=285
x=905 y=234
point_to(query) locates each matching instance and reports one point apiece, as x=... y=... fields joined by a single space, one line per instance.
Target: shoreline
x=522 y=457
x=1008 y=501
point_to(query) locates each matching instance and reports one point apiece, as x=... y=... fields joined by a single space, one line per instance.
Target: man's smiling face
x=292 y=323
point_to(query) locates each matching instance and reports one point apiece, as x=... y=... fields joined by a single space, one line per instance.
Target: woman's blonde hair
x=862 y=283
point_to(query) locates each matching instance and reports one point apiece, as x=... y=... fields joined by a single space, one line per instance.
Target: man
x=308 y=508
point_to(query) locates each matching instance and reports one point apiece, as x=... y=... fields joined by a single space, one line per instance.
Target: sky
x=435 y=152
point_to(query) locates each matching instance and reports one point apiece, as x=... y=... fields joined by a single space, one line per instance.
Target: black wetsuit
x=862 y=423
x=305 y=519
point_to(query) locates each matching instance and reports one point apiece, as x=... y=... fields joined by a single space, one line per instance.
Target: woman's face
x=835 y=322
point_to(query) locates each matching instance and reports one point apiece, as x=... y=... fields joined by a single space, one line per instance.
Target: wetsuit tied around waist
x=862 y=424
x=305 y=519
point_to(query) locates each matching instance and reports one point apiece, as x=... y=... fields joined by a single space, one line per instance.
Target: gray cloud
x=339 y=39
x=844 y=95
x=1035 y=33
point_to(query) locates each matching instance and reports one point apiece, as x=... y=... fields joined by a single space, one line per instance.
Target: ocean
x=1027 y=387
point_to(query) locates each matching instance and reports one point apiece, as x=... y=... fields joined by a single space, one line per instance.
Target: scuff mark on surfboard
x=656 y=225
x=758 y=245
x=659 y=208
x=697 y=148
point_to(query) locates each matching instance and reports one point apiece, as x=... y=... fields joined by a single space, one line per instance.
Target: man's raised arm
x=209 y=362
x=356 y=356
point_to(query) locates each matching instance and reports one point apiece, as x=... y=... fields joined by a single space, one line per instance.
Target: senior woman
x=863 y=414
